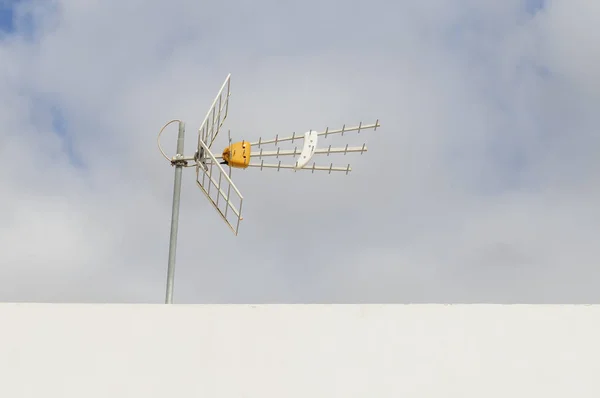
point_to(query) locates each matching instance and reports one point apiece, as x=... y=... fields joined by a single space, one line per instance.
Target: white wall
x=56 y=350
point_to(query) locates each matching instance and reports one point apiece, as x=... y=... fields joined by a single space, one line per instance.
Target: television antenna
x=217 y=184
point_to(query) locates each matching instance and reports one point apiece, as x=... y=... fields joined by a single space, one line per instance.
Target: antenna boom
x=296 y=151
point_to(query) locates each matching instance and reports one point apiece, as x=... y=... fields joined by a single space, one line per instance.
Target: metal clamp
x=178 y=160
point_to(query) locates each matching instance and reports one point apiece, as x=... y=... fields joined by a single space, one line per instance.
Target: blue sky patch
x=22 y=21
x=7 y=16
x=534 y=6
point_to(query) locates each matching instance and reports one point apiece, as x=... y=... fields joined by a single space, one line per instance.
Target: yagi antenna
x=217 y=184
x=240 y=154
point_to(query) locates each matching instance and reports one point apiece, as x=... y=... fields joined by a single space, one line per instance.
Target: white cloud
x=480 y=186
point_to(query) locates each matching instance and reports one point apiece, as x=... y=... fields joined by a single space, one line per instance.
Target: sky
x=481 y=186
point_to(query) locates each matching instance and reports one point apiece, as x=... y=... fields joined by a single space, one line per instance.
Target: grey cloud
x=480 y=186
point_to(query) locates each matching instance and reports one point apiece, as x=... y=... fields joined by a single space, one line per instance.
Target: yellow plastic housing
x=237 y=155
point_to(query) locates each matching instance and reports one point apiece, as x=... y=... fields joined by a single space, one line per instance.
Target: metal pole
x=178 y=162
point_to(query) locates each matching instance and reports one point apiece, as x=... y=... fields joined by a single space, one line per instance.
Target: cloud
x=480 y=186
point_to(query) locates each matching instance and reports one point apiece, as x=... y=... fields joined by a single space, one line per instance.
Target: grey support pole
x=178 y=162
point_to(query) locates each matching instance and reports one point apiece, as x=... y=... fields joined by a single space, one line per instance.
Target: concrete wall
x=145 y=351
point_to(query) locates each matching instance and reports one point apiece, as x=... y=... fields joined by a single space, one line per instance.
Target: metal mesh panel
x=218 y=187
